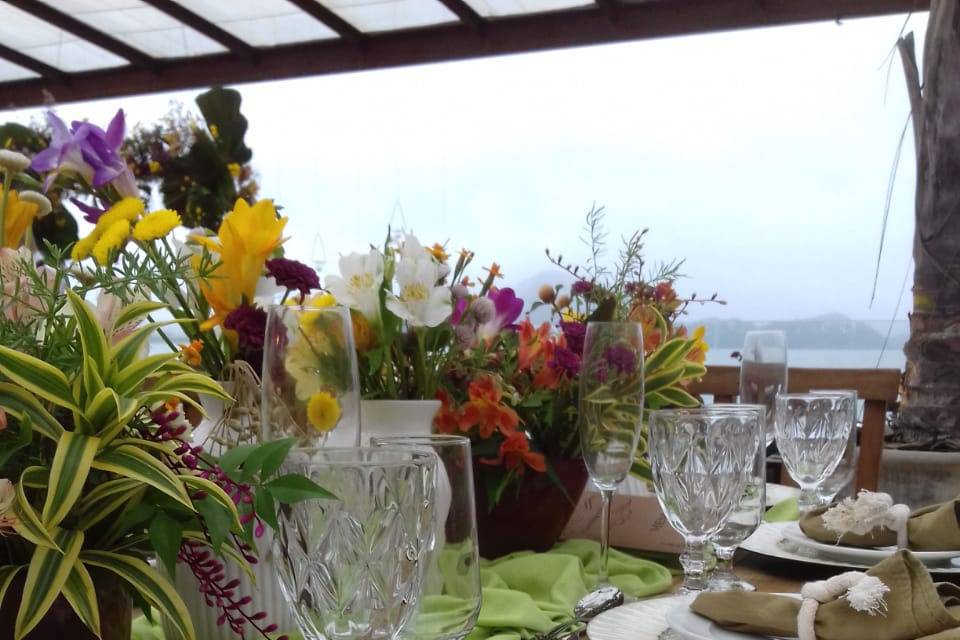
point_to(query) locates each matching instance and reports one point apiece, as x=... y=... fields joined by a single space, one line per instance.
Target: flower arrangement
x=515 y=392
x=98 y=465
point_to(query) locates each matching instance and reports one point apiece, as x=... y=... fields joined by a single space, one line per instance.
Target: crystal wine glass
x=763 y=372
x=611 y=408
x=352 y=565
x=812 y=431
x=701 y=460
x=747 y=514
x=846 y=471
x=453 y=574
x=311 y=388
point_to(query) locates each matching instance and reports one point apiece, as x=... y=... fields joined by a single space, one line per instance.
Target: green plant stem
x=420 y=365
x=7 y=181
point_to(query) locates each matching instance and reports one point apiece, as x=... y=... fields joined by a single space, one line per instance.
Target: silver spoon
x=589 y=607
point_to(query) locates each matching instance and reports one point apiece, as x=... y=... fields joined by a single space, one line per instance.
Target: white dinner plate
x=644 y=620
x=857 y=554
x=769 y=540
x=688 y=625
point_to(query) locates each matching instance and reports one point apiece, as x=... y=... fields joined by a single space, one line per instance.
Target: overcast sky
x=761 y=157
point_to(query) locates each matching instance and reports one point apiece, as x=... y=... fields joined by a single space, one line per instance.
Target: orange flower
x=485 y=410
x=532 y=342
x=700 y=348
x=494 y=271
x=447 y=419
x=190 y=353
x=515 y=452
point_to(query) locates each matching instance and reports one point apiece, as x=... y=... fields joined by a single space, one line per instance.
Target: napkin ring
x=864 y=594
x=868 y=511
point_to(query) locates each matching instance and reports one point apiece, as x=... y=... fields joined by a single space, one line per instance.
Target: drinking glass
x=748 y=512
x=701 y=460
x=763 y=372
x=611 y=408
x=846 y=471
x=812 y=431
x=311 y=388
x=453 y=572
x=352 y=565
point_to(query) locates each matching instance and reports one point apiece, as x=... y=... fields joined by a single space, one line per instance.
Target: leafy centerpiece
x=100 y=469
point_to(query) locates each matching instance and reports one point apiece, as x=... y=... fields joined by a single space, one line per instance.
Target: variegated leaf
x=92 y=338
x=82 y=596
x=130 y=462
x=18 y=402
x=71 y=465
x=28 y=523
x=37 y=376
x=132 y=377
x=106 y=498
x=46 y=575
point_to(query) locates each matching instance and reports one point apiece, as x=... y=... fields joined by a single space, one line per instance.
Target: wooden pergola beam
x=25 y=61
x=325 y=16
x=198 y=23
x=83 y=31
x=466 y=13
x=591 y=25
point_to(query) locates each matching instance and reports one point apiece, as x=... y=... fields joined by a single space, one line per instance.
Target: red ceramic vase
x=533 y=518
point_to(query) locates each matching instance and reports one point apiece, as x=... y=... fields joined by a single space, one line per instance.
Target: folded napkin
x=912 y=607
x=527 y=593
x=860 y=523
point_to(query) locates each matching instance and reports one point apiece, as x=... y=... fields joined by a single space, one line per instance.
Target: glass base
x=728 y=582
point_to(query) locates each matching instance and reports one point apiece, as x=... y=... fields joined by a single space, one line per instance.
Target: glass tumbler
x=763 y=372
x=842 y=478
x=352 y=566
x=701 y=461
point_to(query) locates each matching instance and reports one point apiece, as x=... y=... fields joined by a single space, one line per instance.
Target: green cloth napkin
x=933 y=528
x=784 y=511
x=526 y=593
x=917 y=609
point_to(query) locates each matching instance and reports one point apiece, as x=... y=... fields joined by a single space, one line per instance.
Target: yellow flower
x=155 y=166
x=700 y=347
x=248 y=236
x=214 y=131
x=234 y=168
x=321 y=301
x=17 y=219
x=111 y=240
x=83 y=247
x=569 y=315
x=362 y=335
x=156 y=225
x=438 y=252
x=323 y=411
x=128 y=209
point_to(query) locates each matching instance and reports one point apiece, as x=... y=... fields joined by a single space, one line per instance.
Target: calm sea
x=892 y=358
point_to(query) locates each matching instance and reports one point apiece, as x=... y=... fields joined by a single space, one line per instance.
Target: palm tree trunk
x=930 y=408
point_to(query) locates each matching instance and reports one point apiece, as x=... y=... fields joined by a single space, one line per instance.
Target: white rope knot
x=863 y=593
x=868 y=511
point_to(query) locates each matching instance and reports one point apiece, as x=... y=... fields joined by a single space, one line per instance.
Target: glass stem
x=604 y=577
x=808 y=499
x=694 y=565
x=724 y=557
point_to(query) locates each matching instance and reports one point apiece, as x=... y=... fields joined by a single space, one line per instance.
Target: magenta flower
x=566 y=360
x=250 y=323
x=293 y=275
x=88 y=151
x=508 y=308
x=581 y=287
x=575 y=333
x=622 y=359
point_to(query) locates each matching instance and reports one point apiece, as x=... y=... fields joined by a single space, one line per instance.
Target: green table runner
x=526 y=593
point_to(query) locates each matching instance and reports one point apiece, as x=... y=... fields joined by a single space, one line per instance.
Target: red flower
x=447 y=419
x=515 y=452
x=486 y=411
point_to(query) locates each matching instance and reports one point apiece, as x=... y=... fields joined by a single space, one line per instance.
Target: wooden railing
x=878 y=388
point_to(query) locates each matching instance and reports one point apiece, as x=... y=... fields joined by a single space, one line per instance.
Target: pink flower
x=18 y=297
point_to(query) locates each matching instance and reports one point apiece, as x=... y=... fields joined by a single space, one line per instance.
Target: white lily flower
x=420 y=302
x=358 y=285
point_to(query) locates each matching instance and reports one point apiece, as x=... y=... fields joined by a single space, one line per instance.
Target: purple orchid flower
x=89 y=152
x=508 y=308
x=91 y=213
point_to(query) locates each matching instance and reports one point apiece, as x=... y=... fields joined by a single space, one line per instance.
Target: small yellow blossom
x=17 y=219
x=190 y=353
x=362 y=335
x=323 y=411
x=438 y=252
x=154 y=166
x=111 y=240
x=156 y=225
x=569 y=315
x=700 y=347
x=84 y=247
x=321 y=301
x=214 y=131
x=128 y=209
x=234 y=168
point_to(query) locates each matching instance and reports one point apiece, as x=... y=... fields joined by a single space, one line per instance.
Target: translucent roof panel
x=58 y=48
x=388 y=15
x=261 y=23
x=500 y=8
x=141 y=26
x=10 y=71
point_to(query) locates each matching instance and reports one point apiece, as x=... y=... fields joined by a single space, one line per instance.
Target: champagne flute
x=763 y=372
x=611 y=409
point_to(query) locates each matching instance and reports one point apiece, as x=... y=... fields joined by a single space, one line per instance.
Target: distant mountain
x=830 y=331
